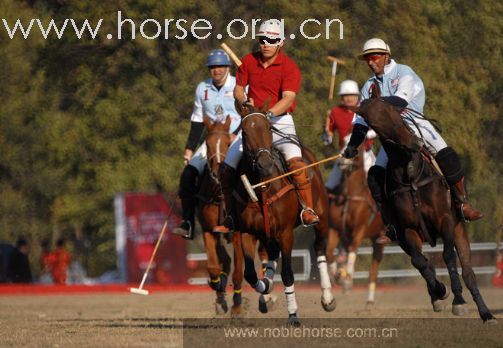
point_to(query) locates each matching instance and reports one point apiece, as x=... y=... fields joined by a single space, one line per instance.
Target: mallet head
x=249 y=188
x=139 y=291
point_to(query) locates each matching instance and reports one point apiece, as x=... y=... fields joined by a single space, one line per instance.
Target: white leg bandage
x=323 y=269
x=259 y=286
x=333 y=268
x=372 y=291
x=351 y=263
x=270 y=269
x=291 y=302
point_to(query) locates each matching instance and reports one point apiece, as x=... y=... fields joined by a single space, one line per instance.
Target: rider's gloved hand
x=350 y=152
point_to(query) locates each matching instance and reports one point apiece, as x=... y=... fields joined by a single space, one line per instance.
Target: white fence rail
x=302 y=275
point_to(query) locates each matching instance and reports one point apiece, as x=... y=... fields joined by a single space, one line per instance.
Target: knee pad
x=450 y=164
x=188 y=182
x=375 y=180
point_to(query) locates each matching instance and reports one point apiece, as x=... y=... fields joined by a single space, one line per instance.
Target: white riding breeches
x=198 y=160
x=433 y=141
x=287 y=148
x=334 y=179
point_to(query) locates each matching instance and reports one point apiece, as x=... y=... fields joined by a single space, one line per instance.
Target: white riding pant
x=198 y=160
x=433 y=141
x=334 y=179
x=288 y=149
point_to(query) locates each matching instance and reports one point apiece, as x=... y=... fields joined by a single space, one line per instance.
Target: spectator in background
x=47 y=259
x=19 y=270
x=62 y=259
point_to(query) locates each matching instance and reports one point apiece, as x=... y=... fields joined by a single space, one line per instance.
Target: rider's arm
x=288 y=97
x=196 y=125
x=239 y=94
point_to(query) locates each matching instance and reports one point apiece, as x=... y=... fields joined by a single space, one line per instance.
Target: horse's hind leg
x=436 y=289
x=377 y=255
x=463 y=249
x=449 y=256
x=237 y=275
x=320 y=247
x=218 y=279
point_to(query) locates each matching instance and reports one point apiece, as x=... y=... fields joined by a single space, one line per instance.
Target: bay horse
x=218 y=141
x=423 y=207
x=353 y=216
x=273 y=219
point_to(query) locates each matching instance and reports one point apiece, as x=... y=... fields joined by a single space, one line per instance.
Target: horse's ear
x=207 y=122
x=227 y=123
x=376 y=91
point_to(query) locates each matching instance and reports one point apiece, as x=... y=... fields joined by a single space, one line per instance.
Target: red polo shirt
x=263 y=83
x=341 y=120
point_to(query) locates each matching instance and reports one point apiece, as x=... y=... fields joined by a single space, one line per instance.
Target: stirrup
x=182 y=231
x=314 y=213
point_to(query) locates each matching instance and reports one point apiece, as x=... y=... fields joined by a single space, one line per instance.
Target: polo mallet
x=231 y=54
x=250 y=188
x=334 y=61
x=140 y=290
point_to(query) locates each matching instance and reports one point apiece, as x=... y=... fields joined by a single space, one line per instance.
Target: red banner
x=140 y=218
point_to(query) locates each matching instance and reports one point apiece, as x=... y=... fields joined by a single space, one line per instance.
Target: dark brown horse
x=423 y=207
x=218 y=141
x=354 y=217
x=273 y=219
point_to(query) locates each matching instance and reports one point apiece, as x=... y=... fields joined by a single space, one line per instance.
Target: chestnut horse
x=354 y=217
x=423 y=207
x=218 y=141
x=273 y=219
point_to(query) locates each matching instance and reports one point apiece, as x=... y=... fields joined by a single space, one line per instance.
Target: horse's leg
x=449 y=255
x=270 y=252
x=321 y=249
x=436 y=289
x=216 y=281
x=463 y=248
x=287 y=276
x=333 y=241
x=264 y=258
x=358 y=235
x=237 y=275
x=377 y=255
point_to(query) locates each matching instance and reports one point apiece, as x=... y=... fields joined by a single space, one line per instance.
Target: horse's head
x=218 y=141
x=257 y=141
x=387 y=122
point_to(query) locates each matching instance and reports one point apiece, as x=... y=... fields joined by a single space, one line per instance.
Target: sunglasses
x=373 y=57
x=269 y=42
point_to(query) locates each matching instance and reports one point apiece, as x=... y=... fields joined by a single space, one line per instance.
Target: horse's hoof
x=460 y=309
x=370 y=304
x=221 y=306
x=328 y=307
x=293 y=320
x=438 y=305
x=489 y=319
x=266 y=303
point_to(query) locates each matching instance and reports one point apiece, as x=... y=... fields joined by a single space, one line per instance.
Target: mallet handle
x=297 y=170
x=153 y=253
x=231 y=54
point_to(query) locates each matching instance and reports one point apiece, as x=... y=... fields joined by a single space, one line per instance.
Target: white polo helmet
x=374 y=45
x=349 y=87
x=272 y=29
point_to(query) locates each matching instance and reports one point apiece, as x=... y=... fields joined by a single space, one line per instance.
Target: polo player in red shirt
x=270 y=76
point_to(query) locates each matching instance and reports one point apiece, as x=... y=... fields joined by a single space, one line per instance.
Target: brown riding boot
x=303 y=186
x=227 y=176
x=469 y=213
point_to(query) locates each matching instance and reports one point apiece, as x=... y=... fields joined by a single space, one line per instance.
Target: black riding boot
x=187 y=193
x=228 y=179
x=375 y=180
x=449 y=163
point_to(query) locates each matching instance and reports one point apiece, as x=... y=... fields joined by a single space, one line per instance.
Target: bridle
x=218 y=155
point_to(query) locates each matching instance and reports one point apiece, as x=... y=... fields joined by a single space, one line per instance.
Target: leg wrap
x=450 y=164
